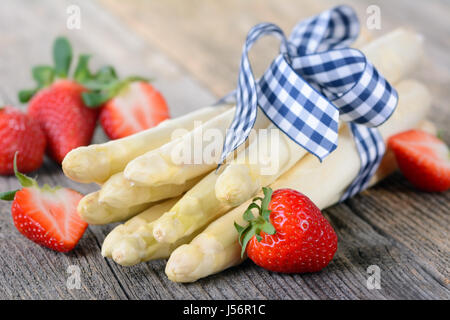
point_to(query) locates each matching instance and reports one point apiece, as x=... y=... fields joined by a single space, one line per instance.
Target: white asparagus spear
x=396 y=53
x=113 y=239
x=131 y=243
x=240 y=181
x=97 y=162
x=134 y=242
x=121 y=193
x=197 y=208
x=217 y=248
x=167 y=165
x=94 y=212
x=244 y=176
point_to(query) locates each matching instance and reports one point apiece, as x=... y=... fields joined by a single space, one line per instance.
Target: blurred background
x=192 y=48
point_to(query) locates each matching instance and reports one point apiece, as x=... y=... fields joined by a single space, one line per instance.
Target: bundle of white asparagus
x=186 y=211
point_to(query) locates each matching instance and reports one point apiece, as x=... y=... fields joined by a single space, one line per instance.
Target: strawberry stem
x=24 y=181
x=256 y=224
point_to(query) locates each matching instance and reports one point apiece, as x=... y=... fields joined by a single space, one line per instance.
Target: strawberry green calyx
x=24 y=181
x=256 y=224
x=102 y=85
x=102 y=91
x=45 y=75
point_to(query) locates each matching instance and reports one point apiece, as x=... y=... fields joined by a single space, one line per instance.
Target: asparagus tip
x=183 y=263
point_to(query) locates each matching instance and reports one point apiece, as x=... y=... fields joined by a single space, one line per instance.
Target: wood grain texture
x=192 y=49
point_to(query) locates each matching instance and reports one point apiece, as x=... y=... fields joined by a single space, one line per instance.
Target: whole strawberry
x=57 y=104
x=423 y=159
x=20 y=133
x=66 y=121
x=289 y=235
x=47 y=216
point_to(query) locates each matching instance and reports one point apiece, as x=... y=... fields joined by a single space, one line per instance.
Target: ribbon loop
x=298 y=109
x=315 y=80
x=246 y=94
x=333 y=29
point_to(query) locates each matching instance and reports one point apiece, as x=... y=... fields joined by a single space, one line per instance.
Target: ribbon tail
x=371 y=148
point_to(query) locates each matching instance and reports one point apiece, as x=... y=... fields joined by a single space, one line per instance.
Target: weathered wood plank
x=405 y=216
x=360 y=245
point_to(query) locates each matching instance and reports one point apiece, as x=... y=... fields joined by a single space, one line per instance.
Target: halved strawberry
x=137 y=107
x=423 y=159
x=47 y=216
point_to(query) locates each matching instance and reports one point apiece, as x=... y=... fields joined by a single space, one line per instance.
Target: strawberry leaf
x=247 y=236
x=8 y=195
x=43 y=75
x=105 y=86
x=267 y=197
x=248 y=215
x=256 y=224
x=241 y=231
x=95 y=99
x=26 y=95
x=268 y=228
x=106 y=74
x=238 y=227
x=62 y=56
x=82 y=72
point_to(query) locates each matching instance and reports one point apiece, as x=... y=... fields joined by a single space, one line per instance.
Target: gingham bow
x=315 y=80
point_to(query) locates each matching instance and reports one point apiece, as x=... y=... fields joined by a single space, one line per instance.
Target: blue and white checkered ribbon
x=315 y=80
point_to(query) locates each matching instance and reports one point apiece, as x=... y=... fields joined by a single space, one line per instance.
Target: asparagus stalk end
x=77 y=165
x=151 y=170
x=236 y=185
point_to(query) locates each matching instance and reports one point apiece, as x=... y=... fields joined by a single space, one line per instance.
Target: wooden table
x=192 y=49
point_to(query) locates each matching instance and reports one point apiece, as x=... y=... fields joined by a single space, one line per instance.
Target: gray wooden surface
x=402 y=231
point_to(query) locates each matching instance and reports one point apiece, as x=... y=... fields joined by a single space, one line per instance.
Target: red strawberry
x=423 y=159
x=66 y=121
x=290 y=235
x=47 y=216
x=137 y=107
x=19 y=133
x=58 y=105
